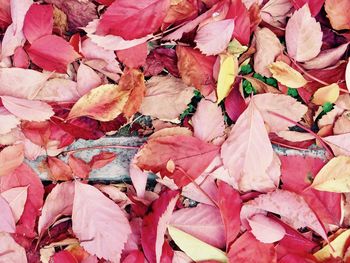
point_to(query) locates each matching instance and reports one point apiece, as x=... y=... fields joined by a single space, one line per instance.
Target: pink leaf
x=59 y=90
x=52 y=53
x=248 y=249
x=87 y=79
x=248 y=137
x=105 y=231
x=208 y=121
x=133 y=57
x=268 y=47
x=155 y=225
x=27 y=109
x=7 y=221
x=207 y=40
x=21 y=83
x=291 y=207
x=135 y=257
x=340 y=144
x=8 y=121
x=230 y=204
x=265 y=229
x=10 y=251
x=102 y=159
x=203 y=222
x=16 y=198
x=282 y=104
x=326 y=58
x=142 y=18
x=24 y=176
x=303 y=35
x=59 y=202
x=20 y=58
x=138 y=178
x=315 y=5
x=347 y=76
x=38 y=22
x=11 y=157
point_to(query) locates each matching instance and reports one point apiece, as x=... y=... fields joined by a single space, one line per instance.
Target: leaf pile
x=224 y=83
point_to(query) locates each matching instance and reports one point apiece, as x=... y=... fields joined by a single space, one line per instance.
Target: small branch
x=101 y=147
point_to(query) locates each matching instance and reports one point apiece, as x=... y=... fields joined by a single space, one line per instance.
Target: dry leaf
x=287 y=75
x=227 y=74
x=325 y=94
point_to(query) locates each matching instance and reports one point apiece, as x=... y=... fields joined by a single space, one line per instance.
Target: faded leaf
x=303 y=35
x=287 y=75
x=8 y=121
x=207 y=40
x=265 y=229
x=27 y=109
x=166 y=97
x=103 y=233
x=7 y=221
x=247 y=138
x=337 y=12
x=11 y=157
x=195 y=248
x=16 y=198
x=10 y=251
x=227 y=75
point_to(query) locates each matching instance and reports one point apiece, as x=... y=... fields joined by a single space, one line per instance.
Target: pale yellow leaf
x=287 y=75
x=325 y=94
x=334 y=176
x=335 y=248
x=195 y=248
x=227 y=74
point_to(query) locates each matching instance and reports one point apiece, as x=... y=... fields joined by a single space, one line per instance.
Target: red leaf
x=102 y=159
x=25 y=176
x=314 y=5
x=135 y=257
x=155 y=224
x=189 y=155
x=38 y=22
x=20 y=58
x=59 y=170
x=235 y=104
x=196 y=69
x=79 y=167
x=63 y=256
x=133 y=57
x=141 y=17
x=240 y=14
x=230 y=205
x=248 y=249
x=52 y=53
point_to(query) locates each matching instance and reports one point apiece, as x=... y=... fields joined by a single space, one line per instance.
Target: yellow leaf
x=334 y=176
x=196 y=249
x=236 y=48
x=227 y=74
x=325 y=94
x=103 y=103
x=287 y=75
x=337 y=244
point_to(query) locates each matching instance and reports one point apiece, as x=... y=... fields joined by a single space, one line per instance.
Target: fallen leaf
x=133 y=57
x=154 y=225
x=20 y=58
x=253 y=139
x=337 y=13
x=16 y=198
x=287 y=106
x=240 y=14
x=166 y=97
x=334 y=176
x=21 y=83
x=8 y=121
x=87 y=79
x=208 y=122
x=291 y=207
x=335 y=248
x=326 y=58
x=27 y=109
x=203 y=222
x=325 y=94
x=52 y=53
x=265 y=229
x=196 y=249
x=59 y=202
x=248 y=249
x=142 y=18
x=196 y=69
x=11 y=157
x=190 y=155
x=268 y=48
x=103 y=103
x=207 y=40
x=105 y=232
x=347 y=76
x=340 y=144
x=287 y=75
x=102 y=159
x=303 y=35
x=7 y=221
x=79 y=167
x=10 y=251
x=227 y=75
x=38 y=22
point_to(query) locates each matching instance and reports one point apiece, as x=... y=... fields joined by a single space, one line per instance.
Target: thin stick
x=101 y=147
